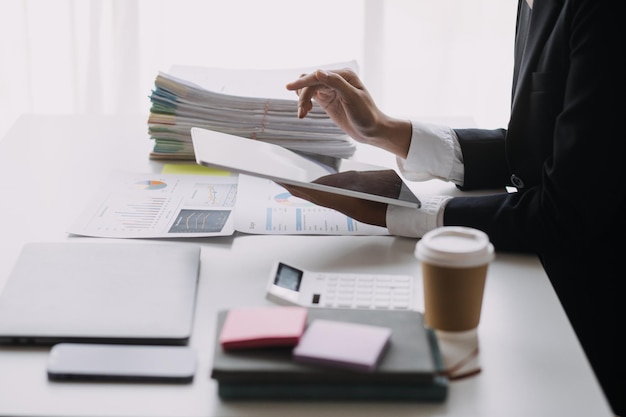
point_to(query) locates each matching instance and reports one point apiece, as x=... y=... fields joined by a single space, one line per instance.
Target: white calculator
x=293 y=286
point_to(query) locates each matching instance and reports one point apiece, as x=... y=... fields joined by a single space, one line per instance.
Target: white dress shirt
x=434 y=152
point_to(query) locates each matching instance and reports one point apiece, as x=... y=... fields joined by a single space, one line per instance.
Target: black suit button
x=517 y=181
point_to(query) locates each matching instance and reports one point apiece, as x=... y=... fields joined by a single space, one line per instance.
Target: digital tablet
x=319 y=172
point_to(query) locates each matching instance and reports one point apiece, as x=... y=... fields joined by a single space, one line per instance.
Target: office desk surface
x=532 y=364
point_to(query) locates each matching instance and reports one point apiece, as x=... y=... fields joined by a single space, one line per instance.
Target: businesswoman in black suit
x=563 y=151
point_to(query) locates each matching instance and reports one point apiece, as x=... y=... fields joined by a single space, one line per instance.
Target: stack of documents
x=249 y=103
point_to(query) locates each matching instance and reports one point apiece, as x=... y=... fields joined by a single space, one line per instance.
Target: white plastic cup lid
x=455 y=246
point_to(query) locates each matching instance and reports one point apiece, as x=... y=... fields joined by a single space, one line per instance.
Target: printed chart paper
x=160 y=205
x=176 y=205
x=264 y=207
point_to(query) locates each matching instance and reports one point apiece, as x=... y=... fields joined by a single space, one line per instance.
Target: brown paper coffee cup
x=454 y=270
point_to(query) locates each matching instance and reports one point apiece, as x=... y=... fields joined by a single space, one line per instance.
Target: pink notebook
x=263 y=327
x=347 y=345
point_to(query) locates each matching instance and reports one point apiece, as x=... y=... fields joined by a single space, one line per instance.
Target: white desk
x=532 y=363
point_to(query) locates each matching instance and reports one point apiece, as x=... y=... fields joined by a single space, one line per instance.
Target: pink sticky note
x=263 y=327
x=343 y=344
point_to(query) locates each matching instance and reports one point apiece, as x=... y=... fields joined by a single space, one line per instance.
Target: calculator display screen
x=288 y=277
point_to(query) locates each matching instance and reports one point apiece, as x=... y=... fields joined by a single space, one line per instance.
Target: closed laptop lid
x=100 y=292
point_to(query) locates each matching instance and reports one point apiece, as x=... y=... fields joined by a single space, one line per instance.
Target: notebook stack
x=249 y=103
x=406 y=364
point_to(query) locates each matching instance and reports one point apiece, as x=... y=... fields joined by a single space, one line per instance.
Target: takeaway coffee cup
x=454 y=268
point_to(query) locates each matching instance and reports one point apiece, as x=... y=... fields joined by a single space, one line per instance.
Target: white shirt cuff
x=409 y=222
x=434 y=152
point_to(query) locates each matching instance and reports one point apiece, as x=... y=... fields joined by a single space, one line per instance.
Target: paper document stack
x=248 y=103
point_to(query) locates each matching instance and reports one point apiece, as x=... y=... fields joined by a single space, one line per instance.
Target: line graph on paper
x=199 y=221
x=212 y=195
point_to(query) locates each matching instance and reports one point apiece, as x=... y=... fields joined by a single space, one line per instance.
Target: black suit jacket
x=564 y=149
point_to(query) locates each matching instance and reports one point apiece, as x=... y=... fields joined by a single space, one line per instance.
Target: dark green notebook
x=410 y=369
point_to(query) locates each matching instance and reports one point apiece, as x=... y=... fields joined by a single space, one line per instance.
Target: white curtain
x=418 y=57
x=69 y=56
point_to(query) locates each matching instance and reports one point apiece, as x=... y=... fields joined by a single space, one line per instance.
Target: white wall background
x=419 y=58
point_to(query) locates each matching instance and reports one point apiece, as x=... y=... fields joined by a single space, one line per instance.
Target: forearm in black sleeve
x=484 y=158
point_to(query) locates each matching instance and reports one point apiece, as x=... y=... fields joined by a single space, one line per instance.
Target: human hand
x=348 y=103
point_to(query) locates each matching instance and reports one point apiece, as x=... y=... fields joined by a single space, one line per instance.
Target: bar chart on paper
x=132 y=215
x=264 y=207
x=148 y=206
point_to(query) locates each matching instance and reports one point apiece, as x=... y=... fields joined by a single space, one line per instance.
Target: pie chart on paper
x=151 y=185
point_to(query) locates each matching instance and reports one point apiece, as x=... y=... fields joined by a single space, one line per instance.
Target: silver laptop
x=140 y=293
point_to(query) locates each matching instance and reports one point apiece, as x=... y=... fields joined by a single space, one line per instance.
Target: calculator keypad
x=366 y=291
